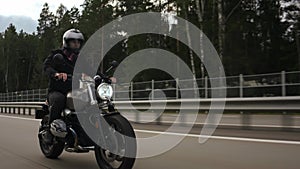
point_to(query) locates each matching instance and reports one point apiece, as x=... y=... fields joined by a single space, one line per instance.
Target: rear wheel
x=108 y=160
x=50 y=150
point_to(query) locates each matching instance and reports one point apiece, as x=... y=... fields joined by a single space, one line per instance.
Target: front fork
x=103 y=129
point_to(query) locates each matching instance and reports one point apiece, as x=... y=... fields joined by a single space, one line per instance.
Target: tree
x=60 y=23
x=95 y=14
x=10 y=37
x=2 y=66
x=46 y=35
x=291 y=19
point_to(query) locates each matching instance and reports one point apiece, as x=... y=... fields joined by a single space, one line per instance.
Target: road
x=256 y=121
x=19 y=149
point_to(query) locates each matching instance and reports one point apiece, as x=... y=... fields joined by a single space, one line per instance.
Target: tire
x=53 y=150
x=103 y=157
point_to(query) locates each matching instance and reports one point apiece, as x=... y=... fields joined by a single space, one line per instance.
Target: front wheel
x=124 y=147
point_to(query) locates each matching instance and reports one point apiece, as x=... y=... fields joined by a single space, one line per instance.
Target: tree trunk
x=200 y=14
x=6 y=73
x=298 y=46
x=221 y=29
x=28 y=72
x=195 y=86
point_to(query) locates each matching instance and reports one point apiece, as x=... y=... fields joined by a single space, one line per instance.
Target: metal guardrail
x=242 y=86
x=246 y=106
x=285 y=105
x=36 y=95
x=281 y=104
x=22 y=108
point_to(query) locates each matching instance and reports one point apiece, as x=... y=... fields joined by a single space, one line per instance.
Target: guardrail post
x=241 y=85
x=177 y=88
x=152 y=89
x=287 y=121
x=246 y=120
x=131 y=91
x=137 y=117
x=158 y=119
x=283 y=83
x=182 y=119
x=206 y=87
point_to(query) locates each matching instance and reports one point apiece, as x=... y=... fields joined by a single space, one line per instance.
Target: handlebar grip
x=69 y=77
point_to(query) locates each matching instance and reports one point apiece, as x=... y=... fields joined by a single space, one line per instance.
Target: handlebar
x=96 y=80
x=69 y=77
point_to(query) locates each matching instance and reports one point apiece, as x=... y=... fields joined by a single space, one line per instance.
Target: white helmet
x=58 y=128
x=72 y=34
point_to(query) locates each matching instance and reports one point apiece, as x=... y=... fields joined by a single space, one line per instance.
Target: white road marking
x=222 y=137
x=20 y=118
x=228 y=124
x=192 y=135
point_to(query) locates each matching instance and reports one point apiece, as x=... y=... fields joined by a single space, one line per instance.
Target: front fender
x=111 y=114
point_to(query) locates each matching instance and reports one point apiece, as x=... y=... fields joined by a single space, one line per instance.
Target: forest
x=251 y=36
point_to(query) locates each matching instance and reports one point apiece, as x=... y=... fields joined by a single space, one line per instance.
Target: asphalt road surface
x=227 y=149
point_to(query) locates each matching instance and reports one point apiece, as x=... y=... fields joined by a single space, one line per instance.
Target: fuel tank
x=77 y=100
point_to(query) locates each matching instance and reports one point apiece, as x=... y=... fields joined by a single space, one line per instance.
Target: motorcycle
x=113 y=150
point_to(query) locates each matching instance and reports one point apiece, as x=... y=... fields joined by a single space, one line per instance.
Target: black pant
x=57 y=102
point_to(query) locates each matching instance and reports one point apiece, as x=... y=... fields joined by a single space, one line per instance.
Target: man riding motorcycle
x=114 y=142
x=58 y=66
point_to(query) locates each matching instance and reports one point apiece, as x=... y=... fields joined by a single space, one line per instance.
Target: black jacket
x=64 y=65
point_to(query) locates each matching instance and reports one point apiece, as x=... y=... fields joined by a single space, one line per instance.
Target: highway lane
x=19 y=149
x=227 y=119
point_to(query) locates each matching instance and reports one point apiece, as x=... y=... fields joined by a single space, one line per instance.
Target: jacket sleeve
x=48 y=68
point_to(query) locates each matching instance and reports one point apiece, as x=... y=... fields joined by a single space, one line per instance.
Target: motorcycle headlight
x=105 y=91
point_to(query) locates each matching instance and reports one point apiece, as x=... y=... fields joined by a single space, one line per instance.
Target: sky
x=32 y=8
x=27 y=12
